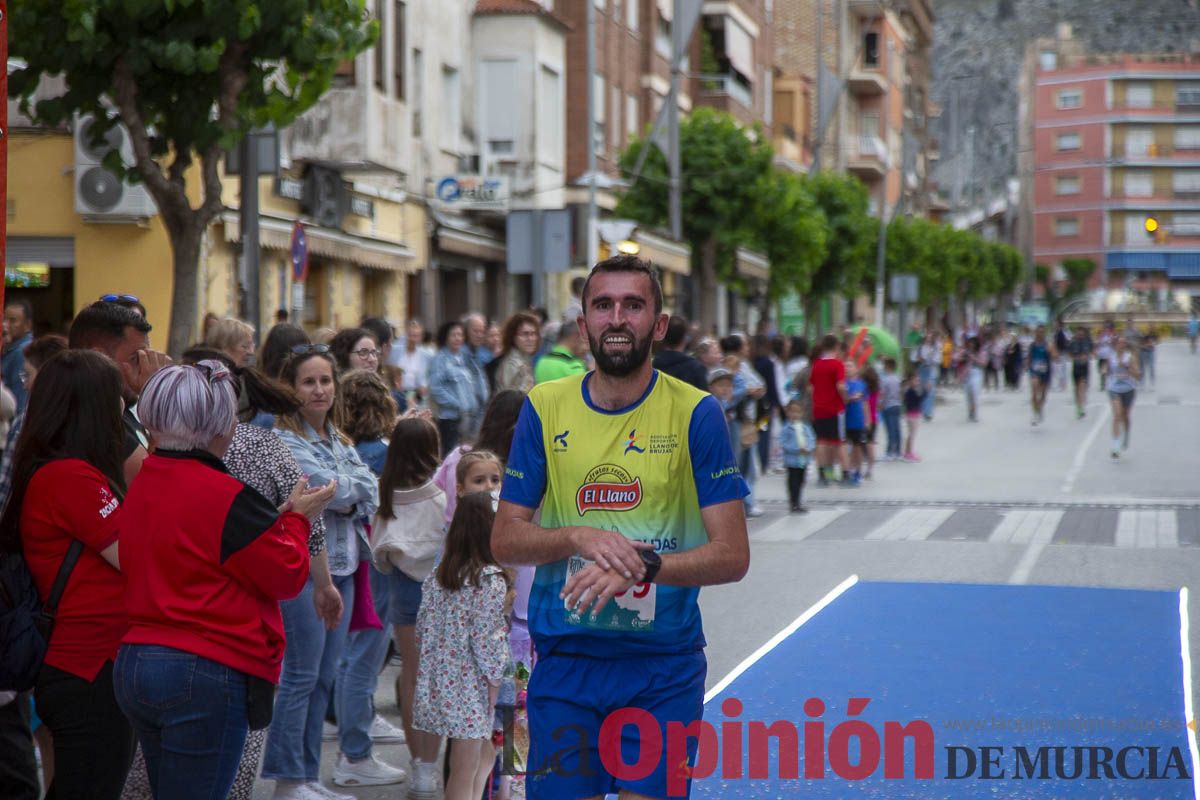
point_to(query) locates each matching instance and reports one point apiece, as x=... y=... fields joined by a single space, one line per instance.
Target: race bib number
x=631 y=610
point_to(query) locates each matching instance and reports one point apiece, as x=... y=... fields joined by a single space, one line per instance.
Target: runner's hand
x=611 y=550
x=328 y=602
x=592 y=587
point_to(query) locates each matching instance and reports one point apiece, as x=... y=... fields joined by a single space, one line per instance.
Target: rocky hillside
x=977 y=52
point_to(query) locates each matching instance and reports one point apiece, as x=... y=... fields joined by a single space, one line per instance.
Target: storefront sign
x=362 y=207
x=290 y=189
x=473 y=192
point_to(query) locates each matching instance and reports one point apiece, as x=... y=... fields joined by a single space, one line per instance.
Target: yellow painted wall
x=122 y=258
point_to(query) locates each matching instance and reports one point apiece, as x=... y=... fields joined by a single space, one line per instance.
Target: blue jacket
x=12 y=368
x=794 y=438
x=457 y=384
x=355 y=501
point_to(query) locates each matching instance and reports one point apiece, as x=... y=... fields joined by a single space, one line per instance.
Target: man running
x=1081 y=349
x=641 y=504
x=1041 y=356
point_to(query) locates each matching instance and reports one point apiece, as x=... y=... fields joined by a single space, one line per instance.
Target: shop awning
x=458 y=235
x=275 y=233
x=664 y=253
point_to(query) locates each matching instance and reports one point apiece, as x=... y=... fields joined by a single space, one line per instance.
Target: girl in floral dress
x=463 y=632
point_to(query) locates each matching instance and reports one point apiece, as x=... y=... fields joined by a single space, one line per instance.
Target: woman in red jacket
x=66 y=481
x=207 y=560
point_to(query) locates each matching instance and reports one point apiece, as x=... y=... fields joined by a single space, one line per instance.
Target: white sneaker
x=754 y=512
x=368 y=772
x=385 y=732
x=319 y=791
x=328 y=731
x=294 y=790
x=424 y=785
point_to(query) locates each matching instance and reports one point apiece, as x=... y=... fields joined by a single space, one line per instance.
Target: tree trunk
x=706 y=285
x=185 y=251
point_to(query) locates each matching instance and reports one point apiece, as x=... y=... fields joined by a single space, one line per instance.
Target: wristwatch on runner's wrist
x=652 y=561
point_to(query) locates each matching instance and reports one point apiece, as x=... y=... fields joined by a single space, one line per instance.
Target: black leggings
x=93 y=742
x=795 y=484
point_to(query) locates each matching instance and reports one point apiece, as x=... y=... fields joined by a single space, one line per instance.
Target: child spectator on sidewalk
x=798 y=442
x=914 y=399
x=856 y=421
x=891 y=401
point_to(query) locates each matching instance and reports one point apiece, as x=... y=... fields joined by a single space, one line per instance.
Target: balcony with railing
x=867 y=79
x=870 y=159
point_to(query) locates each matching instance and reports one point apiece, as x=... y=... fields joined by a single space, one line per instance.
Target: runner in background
x=1041 y=357
x=1081 y=349
x=1123 y=374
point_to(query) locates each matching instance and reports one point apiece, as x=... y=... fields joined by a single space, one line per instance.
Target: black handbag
x=260 y=702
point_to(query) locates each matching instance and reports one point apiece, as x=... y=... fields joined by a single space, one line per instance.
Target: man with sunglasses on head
x=118 y=331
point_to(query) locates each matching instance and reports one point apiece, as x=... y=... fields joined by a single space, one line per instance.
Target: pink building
x=1108 y=142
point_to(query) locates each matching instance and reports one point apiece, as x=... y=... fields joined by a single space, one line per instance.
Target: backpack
x=25 y=621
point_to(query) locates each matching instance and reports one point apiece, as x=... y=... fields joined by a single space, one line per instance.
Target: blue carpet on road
x=1007 y=667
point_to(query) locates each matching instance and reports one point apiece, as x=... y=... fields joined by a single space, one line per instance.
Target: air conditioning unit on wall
x=100 y=194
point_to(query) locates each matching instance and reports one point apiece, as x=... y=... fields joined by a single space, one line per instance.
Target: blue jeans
x=929 y=375
x=310 y=661
x=891 y=421
x=189 y=714
x=357 y=675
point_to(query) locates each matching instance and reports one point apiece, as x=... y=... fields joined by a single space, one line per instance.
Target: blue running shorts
x=569 y=698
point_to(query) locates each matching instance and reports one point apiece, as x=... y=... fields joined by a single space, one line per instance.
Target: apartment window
x=380 y=49
x=1187 y=94
x=1186 y=181
x=662 y=37
x=549 y=115
x=1048 y=59
x=1066 y=184
x=1135 y=229
x=1066 y=141
x=871 y=50
x=868 y=135
x=631 y=115
x=498 y=83
x=1139 y=94
x=1069 y=98
x=418 y=92
x=1139 y=183
x=631 y=14
x=1185 y=224
x=1139 y=141
x=451 y=103
x=1187 y=137
x=598 y=91
x=1066 y=226
x=398 y=51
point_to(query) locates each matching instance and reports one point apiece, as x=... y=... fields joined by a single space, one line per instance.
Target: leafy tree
x=851 y=235
x=188 y=79
x=791 y=232
x=724 y=172
x=1059 y=294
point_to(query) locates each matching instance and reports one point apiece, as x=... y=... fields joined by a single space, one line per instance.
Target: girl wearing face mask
x=406 y=539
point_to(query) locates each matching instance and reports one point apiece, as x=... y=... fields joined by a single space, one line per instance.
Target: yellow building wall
x=122 y=258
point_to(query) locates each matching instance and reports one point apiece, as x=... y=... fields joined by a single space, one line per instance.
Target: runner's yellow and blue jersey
x=645 y=471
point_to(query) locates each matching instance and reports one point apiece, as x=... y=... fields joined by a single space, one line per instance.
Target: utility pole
x=674 y=184
x=816 y=160
x=591 y=134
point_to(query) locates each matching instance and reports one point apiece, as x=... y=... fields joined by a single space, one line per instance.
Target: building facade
x=1115 y=142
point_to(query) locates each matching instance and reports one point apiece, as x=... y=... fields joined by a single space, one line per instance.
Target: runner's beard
x=619 y=365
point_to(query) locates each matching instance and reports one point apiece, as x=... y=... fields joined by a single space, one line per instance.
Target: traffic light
x=1151 y=226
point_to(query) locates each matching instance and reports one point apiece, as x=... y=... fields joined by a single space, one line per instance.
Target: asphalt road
x=994 y=502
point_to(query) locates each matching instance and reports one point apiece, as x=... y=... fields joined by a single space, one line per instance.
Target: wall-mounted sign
x=473 y=192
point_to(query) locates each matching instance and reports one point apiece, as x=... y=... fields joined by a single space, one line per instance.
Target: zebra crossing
x=1133 y=528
